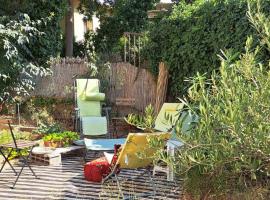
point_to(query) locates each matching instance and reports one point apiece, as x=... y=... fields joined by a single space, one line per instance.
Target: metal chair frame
x=77 y=118
x=17 y=149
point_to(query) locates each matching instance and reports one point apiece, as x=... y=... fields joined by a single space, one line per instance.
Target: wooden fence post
x=162 y=85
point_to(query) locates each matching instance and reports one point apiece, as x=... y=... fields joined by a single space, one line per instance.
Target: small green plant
x=61 y=139
x=145 y=122
x=45 y=128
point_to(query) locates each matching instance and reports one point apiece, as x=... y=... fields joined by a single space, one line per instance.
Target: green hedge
x=190 y=38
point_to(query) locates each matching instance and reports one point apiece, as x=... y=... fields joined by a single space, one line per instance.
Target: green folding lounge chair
x=171 y=110
x=161 y=125
x=188 y=120
x=135 y=153
x=88 y=108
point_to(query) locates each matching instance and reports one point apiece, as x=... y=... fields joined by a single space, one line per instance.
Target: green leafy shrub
x=5 y=136
x=65 y=138
x=189 y=39
x=116 y=18
x=45 y=128
x=50 y=12
x=17 y=69
x=30 y=35
x=144 y=122
x=228 y=151
x=226 y=154
x=45 y=112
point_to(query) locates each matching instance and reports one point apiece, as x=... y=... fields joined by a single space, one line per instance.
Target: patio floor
x=67 y=182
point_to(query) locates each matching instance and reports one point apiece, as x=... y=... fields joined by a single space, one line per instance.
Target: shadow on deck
x=67 y=182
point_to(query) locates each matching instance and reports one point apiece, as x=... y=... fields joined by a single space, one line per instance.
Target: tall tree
x=69 y=27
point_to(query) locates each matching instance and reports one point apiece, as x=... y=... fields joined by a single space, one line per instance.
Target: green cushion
x=94 y=126
x=92 y=86
x=93 y=96
x=88 y=108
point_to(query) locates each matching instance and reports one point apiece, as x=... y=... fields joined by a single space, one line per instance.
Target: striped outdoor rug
x=67 y=182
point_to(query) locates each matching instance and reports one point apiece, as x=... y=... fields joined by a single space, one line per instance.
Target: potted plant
x=63 y=139
x=53 y=140
x=69 y=137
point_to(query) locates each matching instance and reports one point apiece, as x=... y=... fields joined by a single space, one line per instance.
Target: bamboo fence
x=131 y=86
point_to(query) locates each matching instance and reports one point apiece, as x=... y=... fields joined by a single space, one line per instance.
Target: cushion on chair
x=94 y=96
x=94 y=126
x=84 y=85
x=89 y=108
x=97 y=169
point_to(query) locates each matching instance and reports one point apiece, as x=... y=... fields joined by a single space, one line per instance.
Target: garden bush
x=144 y=122
x=116 y=17
x=61 y=139
x=228 y=152
x=50 y=12
x=189 y=39
x=29 y=36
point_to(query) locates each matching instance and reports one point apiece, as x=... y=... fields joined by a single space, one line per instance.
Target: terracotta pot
x=54 y=144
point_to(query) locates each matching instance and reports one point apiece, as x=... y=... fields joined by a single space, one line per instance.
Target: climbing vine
x=190 y=37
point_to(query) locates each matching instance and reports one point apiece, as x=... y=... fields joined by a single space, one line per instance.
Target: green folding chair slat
x=92 y=86
x=94 y=126
x=89 y=108
x=168 y=109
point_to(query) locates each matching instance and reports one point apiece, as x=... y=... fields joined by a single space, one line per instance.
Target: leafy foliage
x=228 y=150
x=116 y=18
x=17 y=68
x=45 y=128
x=50 y=12
x=189 y=38
x=44 y=112
x=5 y=136
x=27 y=42
x=145 y=122
x=66 y=138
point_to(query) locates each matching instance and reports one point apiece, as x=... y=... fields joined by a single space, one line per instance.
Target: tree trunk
x=69 y=30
